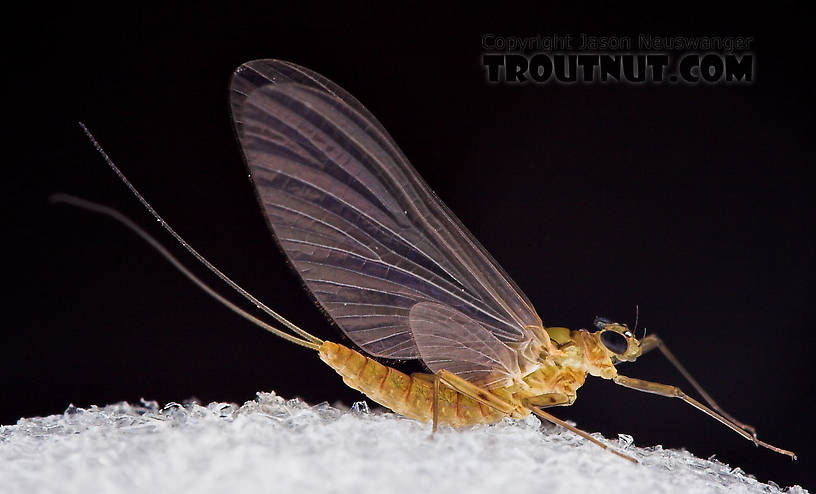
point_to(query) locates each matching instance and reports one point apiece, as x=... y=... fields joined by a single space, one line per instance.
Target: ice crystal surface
x=276 y=445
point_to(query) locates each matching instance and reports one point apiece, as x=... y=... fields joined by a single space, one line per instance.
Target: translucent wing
x=450 y=340
x=257 y=73
x=366 y=234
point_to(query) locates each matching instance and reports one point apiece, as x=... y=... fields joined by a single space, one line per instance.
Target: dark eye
x=615 y=342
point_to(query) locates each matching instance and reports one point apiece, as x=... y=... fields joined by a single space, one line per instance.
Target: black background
x=692 y=202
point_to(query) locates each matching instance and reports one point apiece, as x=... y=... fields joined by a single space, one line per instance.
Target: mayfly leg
x=468 y=389
x=436 y=381
x=653 y=341
x=675 y=392
x=555 y=420
x=489 y=399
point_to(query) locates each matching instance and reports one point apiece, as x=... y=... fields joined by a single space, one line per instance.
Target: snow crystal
x=274 y=445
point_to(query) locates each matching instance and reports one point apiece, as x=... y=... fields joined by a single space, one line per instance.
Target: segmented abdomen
x=411 y=396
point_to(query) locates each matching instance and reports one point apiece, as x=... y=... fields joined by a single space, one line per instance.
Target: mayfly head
x=618 y=340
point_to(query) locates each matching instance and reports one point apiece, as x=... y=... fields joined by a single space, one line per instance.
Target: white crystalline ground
x=274 y=445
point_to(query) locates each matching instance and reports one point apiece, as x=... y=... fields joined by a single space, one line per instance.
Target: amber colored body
x=554 y=382
x=411 y=396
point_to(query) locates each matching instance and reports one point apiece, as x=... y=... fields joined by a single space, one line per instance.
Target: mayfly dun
x=399 y=274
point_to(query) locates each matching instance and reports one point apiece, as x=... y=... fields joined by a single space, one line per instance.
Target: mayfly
x=400 y=275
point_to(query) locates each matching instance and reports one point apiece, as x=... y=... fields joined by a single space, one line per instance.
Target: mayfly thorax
x=399 y=274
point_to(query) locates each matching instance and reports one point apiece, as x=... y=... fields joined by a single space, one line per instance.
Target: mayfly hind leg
x=555 y=420
x=435 y=380
x=675 y=392
x=468 y=389
x=653 y=341
x=491 y=400
x=536 y=403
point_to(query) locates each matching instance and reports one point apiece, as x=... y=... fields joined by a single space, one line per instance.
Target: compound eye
x=615 y=342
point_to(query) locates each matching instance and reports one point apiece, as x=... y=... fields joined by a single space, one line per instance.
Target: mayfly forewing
x=258 y=73
x=363 y=230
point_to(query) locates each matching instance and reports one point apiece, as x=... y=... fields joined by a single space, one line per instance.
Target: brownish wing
x=364 y=231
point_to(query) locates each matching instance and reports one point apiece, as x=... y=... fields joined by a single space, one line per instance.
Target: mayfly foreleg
x=555 y=420
x=675 y=392
x=653 y=341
